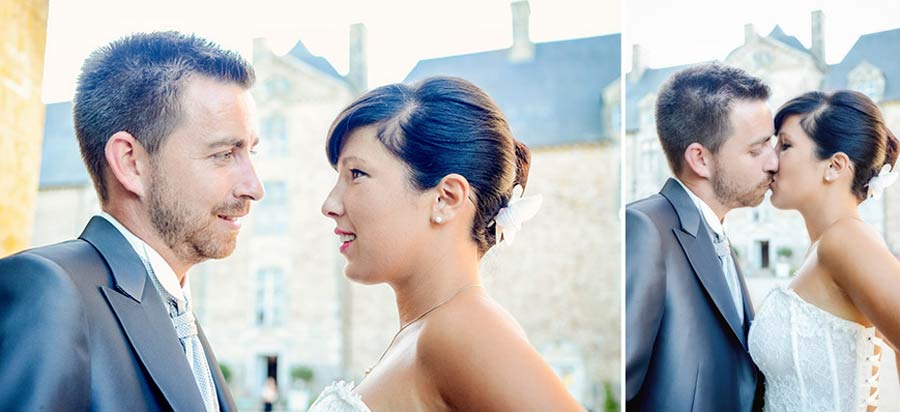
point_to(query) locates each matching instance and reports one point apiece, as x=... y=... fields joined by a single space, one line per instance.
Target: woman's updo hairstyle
x=845 y=121
x=439 y=126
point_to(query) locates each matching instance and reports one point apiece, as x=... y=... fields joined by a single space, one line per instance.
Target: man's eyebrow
x=762 y=140
x=231 y=142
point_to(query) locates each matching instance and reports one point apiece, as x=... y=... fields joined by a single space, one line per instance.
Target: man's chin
x=212 y=248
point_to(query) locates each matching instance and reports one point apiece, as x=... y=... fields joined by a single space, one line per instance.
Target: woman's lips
x=346 y=238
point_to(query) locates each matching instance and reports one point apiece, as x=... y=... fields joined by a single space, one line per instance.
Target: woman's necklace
x=418 y=318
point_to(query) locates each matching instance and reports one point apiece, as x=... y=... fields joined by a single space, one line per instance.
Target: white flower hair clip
x=520 y=209
x=885 y=178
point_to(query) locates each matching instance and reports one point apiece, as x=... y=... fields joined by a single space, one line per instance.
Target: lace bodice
x=339 y=397
x=813 y=361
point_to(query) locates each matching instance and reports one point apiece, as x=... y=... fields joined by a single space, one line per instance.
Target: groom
x=104 y=322
x=687 y=308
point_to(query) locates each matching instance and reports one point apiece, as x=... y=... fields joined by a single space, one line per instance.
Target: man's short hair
x=134 y=84
x=694 y=105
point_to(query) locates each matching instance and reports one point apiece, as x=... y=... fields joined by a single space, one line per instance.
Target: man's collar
x=708 y=214
x=148 y=255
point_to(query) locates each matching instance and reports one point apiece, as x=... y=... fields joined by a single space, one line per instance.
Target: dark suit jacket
x=82 y=328
x=686 y=349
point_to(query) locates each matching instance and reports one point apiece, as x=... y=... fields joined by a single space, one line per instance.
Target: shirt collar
x=164 y=273
x=708 y=214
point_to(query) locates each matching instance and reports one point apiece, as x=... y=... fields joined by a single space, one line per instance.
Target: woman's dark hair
x=845 y=121
x=439 y=126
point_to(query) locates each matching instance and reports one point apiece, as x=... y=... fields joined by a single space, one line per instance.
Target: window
x=763 y=246
x=269 y=296
x=271 y=217
x=277 y=85
x=867 y=79
x=274 y=135
x=615 y=119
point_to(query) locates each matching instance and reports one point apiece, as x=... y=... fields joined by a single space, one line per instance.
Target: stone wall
x=23 y=34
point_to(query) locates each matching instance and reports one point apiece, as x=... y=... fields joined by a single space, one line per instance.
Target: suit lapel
x=701 y=254
x=226 y=402
x=749 y=313
x=144 y=319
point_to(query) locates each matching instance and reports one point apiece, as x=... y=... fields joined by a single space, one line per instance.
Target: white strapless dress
x=339 y=397
x=813 y=361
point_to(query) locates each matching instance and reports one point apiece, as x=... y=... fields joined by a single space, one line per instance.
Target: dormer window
x=867 y=79
x=277 y=85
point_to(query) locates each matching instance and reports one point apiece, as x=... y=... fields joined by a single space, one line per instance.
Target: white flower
x=519 y=210
x=885 y=178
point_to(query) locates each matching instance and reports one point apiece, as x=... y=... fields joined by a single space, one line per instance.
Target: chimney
x=637 y=63
x=749 y=33
x=522 y=49
x=260 y=50
x=818 y=37
x=358 y=73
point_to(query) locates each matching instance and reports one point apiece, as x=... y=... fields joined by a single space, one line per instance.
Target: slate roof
x=61 y=163
x=790 y=41
x=555 y=98
x=300 y=52
x=881 y=49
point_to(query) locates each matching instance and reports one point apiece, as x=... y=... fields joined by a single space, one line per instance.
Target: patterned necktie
x=723 y=250
x=186 y=328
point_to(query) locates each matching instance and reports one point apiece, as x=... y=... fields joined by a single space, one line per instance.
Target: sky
x=400 y=32
x=673 y=32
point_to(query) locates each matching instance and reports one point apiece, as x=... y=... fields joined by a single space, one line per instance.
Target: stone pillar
x=23 y=36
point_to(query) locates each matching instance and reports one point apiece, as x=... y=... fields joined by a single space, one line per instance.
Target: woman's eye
x=785 y=146
x=356 y=173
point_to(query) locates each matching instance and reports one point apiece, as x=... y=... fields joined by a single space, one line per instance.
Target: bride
x=818 y=340
x=425 y=187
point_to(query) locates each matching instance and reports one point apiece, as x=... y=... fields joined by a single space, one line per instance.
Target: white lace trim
x=339 y=397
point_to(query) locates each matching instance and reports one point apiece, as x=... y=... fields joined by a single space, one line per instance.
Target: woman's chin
x=777 y=201
x=356 y=275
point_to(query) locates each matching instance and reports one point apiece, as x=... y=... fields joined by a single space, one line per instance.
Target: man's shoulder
x=51 y=266
x=655 y=207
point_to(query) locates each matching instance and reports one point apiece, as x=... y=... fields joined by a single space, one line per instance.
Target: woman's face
x=381 y=219
x=800 y=173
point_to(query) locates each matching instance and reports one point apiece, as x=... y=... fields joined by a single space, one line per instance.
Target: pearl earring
x=438 y=220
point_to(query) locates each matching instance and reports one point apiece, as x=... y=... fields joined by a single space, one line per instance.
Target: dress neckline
x=791 y=292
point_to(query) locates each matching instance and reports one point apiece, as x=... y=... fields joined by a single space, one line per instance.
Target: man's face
x=202 y=179
x=746 y=161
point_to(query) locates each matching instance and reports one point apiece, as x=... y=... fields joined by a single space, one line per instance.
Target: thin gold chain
x=418 y=318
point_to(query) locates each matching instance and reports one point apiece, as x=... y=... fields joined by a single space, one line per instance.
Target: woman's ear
x=452 y=196
x=838 y=166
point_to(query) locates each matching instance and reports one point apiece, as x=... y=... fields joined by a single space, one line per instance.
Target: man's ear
x=452 y=195
x=699 y=160
x=128 y=162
